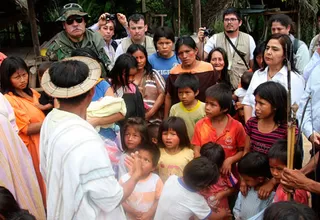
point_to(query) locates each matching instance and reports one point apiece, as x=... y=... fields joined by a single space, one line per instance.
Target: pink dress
x=225 y=182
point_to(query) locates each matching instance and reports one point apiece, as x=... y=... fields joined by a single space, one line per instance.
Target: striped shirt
x=262 y=142
x=151 y=87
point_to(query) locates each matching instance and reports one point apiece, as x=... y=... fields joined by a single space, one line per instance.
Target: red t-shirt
x=231 y=139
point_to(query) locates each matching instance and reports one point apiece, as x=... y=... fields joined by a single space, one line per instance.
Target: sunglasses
x=70 y=21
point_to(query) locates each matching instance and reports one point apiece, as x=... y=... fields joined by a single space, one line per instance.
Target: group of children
x=203 y=157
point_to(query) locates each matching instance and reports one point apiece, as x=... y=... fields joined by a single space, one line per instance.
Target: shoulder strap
x=114 y=44
x=296 y=45
x=241 y=55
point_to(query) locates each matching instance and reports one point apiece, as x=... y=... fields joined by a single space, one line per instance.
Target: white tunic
x=77 y=170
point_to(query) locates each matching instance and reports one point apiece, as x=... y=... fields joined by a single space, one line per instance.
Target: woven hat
x=61 y=92
x=71 y=9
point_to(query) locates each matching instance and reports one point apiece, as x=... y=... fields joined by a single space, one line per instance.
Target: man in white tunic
x=73 y=160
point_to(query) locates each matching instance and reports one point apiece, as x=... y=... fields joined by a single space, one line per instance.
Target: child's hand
x=136 y=214
x=145 y=216
x=94 y=121
x=243 y=188
x=226 y=166
x=223 y=213
x=265 y=190
x=219 y=196
x=133 y=162
x=238 y=105
x=43 y=107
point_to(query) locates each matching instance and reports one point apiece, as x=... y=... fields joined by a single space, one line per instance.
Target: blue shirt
x=311 y=120
x=100 y=90
x=163 y=65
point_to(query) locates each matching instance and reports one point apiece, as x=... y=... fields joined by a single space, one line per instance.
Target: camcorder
x=111 y=17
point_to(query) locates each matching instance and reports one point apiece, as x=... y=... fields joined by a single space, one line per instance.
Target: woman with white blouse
x=278 y=50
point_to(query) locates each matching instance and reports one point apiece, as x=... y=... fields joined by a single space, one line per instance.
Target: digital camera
x=111 y=17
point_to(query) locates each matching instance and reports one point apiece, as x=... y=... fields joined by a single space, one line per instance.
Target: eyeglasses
x=227 y=20
x=78 y=19
x=72 y=5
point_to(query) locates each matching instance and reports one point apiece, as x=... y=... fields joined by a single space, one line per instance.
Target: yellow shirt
x=190 y=116
x=173 y=164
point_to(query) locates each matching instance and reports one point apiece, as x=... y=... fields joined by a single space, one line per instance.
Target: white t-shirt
x=212 y=42
x=177 y=201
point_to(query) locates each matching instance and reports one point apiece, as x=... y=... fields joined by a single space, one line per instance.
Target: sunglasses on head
x=70 y=20
x=72 y=5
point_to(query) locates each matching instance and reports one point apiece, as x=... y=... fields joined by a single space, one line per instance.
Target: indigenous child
x=289 y=210
x=9 y=207
x=258 y=57
x=143 y=201
x=153 y=130
x=254 y=170
x=121 y=76
x=180 y=198
x=277 y=162
x=219 y=127
x=190 y=109
x=217 y=194
x=150 y=83
x=45 y=100
x=134 y=133
x=174 y=146
x=270 y=122
x=240 y=93
x=269 y=125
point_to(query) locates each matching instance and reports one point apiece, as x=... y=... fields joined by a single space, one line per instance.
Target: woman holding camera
x=106 y=27
x=187 y=51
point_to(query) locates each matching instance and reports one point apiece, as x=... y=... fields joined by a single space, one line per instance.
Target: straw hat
x=86 y=85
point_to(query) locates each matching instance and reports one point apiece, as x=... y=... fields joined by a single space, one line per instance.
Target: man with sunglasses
x=240 y=59
x=75 y=35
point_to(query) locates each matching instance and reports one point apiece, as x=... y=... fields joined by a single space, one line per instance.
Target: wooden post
x=143 y=6
x=298 y=23
x=35 y=39
x=179 y=18
x=197 y=15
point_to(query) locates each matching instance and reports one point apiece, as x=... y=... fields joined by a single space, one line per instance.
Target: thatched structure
x=12 y=11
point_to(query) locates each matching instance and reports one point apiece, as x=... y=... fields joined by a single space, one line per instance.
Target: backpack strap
x=114 y=44
x=296 y=44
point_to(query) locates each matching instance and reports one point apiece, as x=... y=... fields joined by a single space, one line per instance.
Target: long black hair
x=187 y=41
x=287 y=47
x=225 y=77
x=121 y=68
x=276 y=95
x=137 y=47
x=178 y=125
x=8 y=67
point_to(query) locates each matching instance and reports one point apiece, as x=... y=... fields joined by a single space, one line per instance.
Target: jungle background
x=15 y=31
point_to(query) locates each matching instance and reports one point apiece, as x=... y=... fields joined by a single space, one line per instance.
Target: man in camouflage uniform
x=75 y=35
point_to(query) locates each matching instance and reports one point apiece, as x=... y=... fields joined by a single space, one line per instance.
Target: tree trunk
x=35 y=39
x=196 y=15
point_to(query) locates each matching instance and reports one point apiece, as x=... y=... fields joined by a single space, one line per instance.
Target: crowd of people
x=157 y=128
